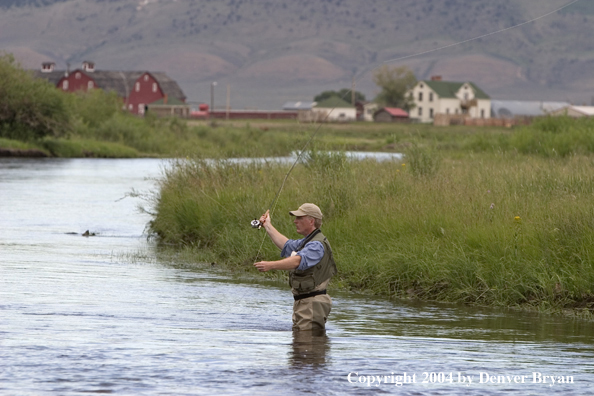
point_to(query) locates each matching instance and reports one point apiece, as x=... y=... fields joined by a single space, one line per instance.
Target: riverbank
x=127 y=136
x=495 y=228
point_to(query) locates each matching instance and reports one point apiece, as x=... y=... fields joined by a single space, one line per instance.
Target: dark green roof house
x=334 y=109
x=433 y=97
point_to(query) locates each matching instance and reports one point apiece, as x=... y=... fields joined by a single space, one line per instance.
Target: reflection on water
x=104 y=314
x=410 y=318
x=309 y=347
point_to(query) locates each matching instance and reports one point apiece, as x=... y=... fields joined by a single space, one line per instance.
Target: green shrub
x=95 y=106
x=31 y=109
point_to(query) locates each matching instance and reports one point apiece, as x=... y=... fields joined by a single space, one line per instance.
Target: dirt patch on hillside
x=485 y=71
x=293 y=68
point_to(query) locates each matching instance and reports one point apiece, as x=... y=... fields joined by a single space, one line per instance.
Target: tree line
x=394 y=84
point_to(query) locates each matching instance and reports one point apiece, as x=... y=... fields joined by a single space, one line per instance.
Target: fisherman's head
x=307 y=218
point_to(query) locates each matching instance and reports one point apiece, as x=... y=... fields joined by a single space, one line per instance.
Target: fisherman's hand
x=263 y=266
x=265 y=218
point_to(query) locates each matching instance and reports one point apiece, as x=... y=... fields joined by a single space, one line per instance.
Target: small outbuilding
x=390 y=114
x=334 y=109
x=365 y=110
x=575 y=111
x=169 y=107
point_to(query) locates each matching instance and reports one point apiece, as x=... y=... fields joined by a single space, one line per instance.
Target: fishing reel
x=256 y=224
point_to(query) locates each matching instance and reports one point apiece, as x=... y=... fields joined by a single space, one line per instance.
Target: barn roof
x=52 y=77
x=169 y=86
x=121 y=82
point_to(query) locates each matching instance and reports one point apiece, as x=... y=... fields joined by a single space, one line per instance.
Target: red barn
x=136 y=88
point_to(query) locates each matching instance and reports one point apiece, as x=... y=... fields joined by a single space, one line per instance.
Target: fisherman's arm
x=289 y=263
x=309 y=256
x=277 y=238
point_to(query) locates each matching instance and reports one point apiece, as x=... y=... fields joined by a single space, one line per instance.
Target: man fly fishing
x=310 y=263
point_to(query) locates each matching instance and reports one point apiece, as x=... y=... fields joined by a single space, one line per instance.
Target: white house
x=334 y=109
x=432 y=97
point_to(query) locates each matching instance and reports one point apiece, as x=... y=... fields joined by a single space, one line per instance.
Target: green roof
x=448 y=89
x=333 y=102
x=170 y=102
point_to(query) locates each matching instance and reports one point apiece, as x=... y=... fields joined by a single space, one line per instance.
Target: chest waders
x=305 y=281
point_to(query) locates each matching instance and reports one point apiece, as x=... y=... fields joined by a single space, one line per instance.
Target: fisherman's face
x=304 y=225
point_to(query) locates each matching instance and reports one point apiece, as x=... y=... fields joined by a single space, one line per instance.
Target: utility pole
x=212 y=85
x=228 y=100
x=353 y=91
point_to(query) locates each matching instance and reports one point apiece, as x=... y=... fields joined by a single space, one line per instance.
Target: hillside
x=273 y=51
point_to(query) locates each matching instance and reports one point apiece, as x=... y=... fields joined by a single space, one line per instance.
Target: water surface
x=104 y=314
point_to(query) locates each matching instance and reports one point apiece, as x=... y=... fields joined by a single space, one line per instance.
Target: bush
x=95 y=106
x=30 y=108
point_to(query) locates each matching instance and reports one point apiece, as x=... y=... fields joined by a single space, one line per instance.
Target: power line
x=480 y=37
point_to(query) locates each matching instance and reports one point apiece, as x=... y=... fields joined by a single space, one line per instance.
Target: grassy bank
x=127 y=136
x=486 y=226
x=497 y=229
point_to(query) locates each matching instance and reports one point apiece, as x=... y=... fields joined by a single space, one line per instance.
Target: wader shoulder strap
x=308 y=239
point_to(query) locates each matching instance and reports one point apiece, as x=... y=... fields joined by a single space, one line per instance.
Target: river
x=107 y=314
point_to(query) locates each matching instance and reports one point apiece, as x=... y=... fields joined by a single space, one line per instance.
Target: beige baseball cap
x=308 y=209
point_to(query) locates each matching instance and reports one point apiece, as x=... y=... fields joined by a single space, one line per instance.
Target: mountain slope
x=272 y=51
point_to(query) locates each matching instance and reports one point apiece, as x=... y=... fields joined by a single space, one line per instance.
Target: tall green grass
x=497 y=229
x=546 y=136
x=87 y=148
